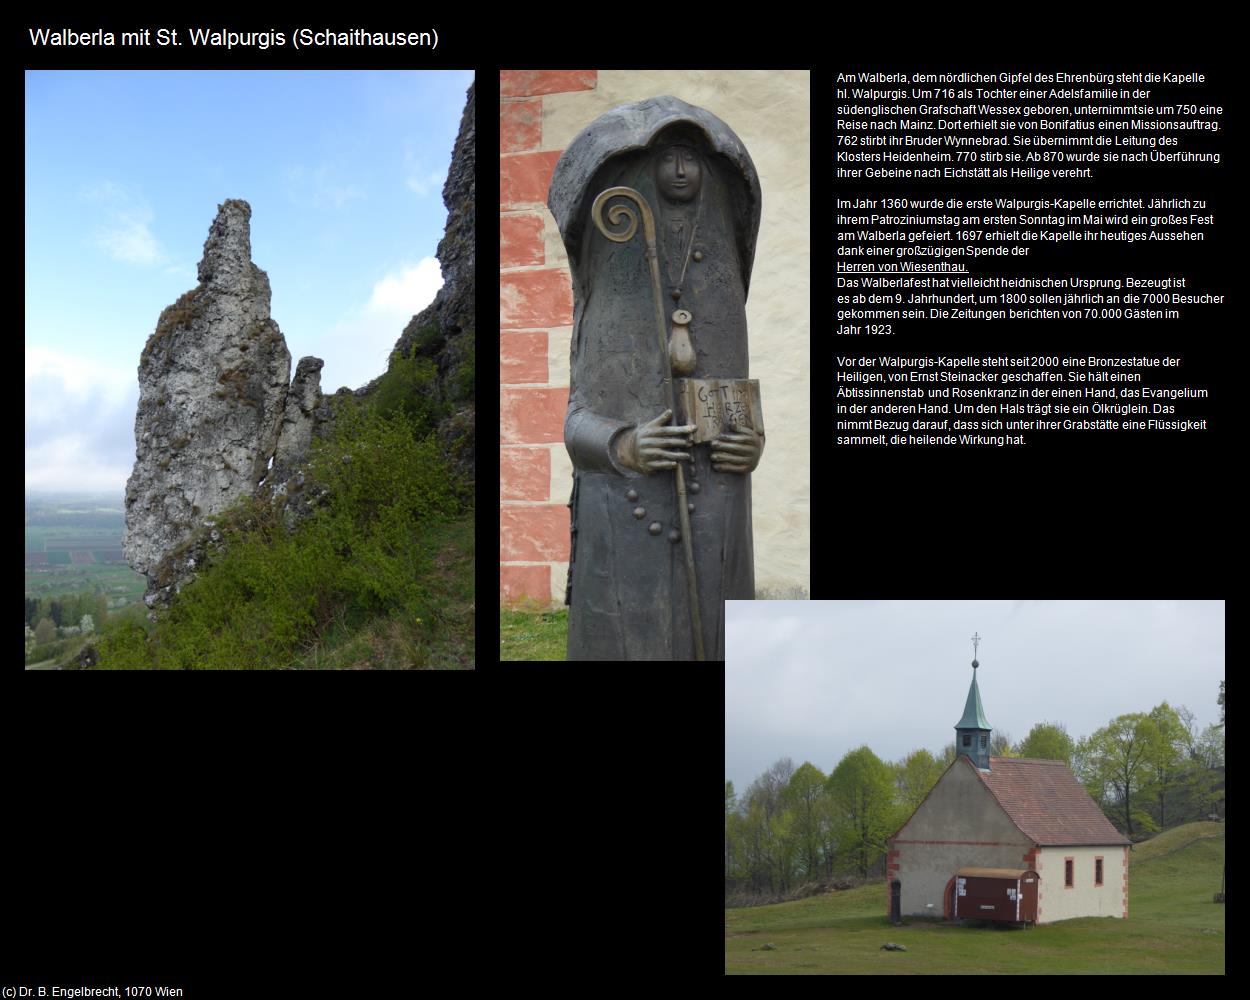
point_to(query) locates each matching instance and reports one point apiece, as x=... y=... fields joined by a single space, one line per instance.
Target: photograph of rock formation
x=232 y=510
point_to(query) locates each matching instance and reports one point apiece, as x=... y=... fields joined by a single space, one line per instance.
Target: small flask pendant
x=681 y=355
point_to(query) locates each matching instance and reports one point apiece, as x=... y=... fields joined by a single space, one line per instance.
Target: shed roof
x=996 y=872
x=1044 y=799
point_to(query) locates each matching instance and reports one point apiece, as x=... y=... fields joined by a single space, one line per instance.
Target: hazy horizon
x=121 y=492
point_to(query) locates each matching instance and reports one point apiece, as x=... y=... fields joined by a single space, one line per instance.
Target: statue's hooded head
x=669 y=150
x=677 y=163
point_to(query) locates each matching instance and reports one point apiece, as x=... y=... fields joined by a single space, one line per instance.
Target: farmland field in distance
x=74 y=545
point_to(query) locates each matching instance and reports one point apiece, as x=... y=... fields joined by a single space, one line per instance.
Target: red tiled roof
x=1044 y=799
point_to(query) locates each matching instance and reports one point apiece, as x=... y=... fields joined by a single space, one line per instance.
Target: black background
x=535 y=824
x=1068 y=514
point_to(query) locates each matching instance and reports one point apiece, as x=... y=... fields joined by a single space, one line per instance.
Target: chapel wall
x=959 y=824
x=1084 y=898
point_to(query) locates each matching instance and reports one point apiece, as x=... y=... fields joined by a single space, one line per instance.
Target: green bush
x=410 y=387
x=271 y=594
x=464 y=375
x=123 y=647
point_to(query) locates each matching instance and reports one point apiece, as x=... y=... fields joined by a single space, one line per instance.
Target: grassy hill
x=1173 y=927
x=378 y=575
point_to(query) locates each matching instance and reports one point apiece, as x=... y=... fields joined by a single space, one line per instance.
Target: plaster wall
x=1084 y=899
x=959 y=824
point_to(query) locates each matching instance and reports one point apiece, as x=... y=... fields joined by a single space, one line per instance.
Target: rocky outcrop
x=303 y=401
x=216 y=417
x=212 y=400
x=445 y=330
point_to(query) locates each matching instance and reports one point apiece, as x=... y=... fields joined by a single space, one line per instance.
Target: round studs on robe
x=655 y=527
x=640 y=512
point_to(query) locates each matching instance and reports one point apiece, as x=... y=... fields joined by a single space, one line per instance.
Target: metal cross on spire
x=976 y=641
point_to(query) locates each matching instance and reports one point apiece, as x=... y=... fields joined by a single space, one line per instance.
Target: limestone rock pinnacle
x=212 y=391
x=228 y=249
x=300 y=414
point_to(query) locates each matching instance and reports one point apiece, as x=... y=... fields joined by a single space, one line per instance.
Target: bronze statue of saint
x=658 y=204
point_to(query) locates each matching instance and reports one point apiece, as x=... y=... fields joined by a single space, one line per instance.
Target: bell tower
x=972 y=732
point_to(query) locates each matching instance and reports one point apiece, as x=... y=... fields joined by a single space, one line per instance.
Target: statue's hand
x=654 y=445
x=737 y=450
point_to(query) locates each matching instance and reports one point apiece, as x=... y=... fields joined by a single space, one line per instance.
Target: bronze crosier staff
x=617 y=214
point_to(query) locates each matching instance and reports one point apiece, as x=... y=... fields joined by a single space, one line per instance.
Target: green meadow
x=1173 y=927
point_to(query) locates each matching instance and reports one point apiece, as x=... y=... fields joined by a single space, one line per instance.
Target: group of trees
x=66 y=609
x=796 y=825
x=63 y=617
x=1153 y=770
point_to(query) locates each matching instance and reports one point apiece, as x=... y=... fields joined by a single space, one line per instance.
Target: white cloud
x=105 y=191
x=425 y=185
x=131 y=241
x=406 y=291
x=328 y=191
x=125 y=234
x=80 y=378
x=357 y=348
x=68 y=464
x=419 y=178
x=318 y=187
x=79 y=422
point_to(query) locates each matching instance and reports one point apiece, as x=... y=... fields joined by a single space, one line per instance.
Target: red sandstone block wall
x=534 y=298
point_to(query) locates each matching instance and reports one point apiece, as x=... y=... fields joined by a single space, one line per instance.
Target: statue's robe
x=627 y=583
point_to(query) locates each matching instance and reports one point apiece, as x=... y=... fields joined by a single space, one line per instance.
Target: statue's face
x=679 y=173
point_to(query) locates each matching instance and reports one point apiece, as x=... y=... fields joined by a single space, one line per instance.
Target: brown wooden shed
x=1008 y=894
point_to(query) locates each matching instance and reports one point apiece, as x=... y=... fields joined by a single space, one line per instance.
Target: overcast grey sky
x=811 y=680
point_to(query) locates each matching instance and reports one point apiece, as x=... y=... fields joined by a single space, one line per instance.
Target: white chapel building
x=1019 y=839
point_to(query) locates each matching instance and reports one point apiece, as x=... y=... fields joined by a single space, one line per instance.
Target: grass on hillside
x=1173 y=927
x=1173 y=840
x=533 y=635
x=380 y=574
x=443 y=639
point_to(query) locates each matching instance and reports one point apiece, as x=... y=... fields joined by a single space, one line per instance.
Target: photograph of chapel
x=978 y=843
x=974 y=787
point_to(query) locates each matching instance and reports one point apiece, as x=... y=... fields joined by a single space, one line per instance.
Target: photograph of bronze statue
x=658 y=204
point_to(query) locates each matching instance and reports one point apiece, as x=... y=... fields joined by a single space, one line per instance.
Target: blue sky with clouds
x=124 y=172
